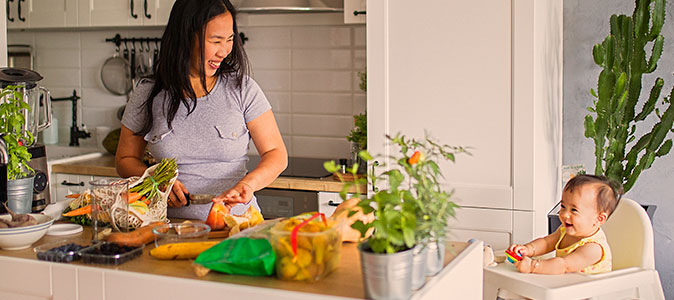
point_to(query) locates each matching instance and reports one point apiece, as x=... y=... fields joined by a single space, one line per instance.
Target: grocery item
x=136 y=238
x=189 y=250
x=307 y=247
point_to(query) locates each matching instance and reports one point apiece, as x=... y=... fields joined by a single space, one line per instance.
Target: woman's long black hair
x=187 y=22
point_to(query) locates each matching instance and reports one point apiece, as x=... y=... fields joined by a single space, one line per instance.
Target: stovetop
x=297 y=167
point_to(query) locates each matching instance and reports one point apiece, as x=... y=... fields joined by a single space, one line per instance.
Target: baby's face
x=579 y=214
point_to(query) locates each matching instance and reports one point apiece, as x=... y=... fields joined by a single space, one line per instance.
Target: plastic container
x=317 y=249
x=180 y=233
x=60 y=251
x=109 y=254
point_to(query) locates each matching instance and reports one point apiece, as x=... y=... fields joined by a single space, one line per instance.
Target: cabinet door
x=447 y=73
x=328 y=202
x=114 y=12
x=17 y=14
x=52 y=14
x=353 y=11
x=158 y=11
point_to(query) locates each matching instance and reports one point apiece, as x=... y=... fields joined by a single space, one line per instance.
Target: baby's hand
x=522 y=250
x=525 y=265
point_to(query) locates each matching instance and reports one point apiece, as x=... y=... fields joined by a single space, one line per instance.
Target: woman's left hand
x=239 y=193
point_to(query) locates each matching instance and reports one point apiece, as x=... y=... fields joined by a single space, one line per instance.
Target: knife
x=199 y=198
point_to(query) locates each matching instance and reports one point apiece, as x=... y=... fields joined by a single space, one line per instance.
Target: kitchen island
x=25 y=277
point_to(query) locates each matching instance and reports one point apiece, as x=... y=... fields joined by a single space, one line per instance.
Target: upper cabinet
x=24 y=14
x=354 y=11
x=41 y=13
x=124 y=12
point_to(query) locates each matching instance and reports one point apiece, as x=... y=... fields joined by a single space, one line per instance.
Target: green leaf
x=330 y=166
x=361 y=227
x=664 y=149
x=365 y=155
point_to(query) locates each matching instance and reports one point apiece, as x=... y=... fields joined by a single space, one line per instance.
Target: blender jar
x=33 y=94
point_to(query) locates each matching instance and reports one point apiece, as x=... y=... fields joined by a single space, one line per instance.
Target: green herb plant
x=414 y=208
x=358 y=135
x=12 y=122
x=620 y=154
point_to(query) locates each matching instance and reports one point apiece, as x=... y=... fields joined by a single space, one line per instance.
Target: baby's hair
x=609 y=191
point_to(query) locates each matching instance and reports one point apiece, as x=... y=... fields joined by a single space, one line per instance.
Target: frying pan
x=116 y=75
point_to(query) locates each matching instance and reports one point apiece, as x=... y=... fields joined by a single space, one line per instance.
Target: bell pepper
x=216 y=218
x=415 y=158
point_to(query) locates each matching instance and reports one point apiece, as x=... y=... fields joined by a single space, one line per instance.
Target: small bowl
x=23 y=237
x=180 y=233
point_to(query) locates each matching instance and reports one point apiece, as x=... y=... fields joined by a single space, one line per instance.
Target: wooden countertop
x=105 y=166
x=346 y=281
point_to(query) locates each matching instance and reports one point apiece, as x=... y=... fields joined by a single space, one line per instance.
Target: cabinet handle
x=9 y=11
x=359 y=12
x=333 y=203
x=81 y=183
x=146 y=14
x=133 y=15
x=20 y=17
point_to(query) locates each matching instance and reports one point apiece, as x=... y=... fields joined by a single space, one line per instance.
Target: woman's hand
x=177 y=196
x=239 y=193
x=522 y=250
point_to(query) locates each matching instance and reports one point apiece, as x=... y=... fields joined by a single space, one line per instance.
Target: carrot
x=72 y=196
x=133 y=197
x=78 y=212
x=136 y=238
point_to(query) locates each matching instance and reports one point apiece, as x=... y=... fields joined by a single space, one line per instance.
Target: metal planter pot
x=435 y=258
x=20 y=195
x=386 y=276
x=419 y=266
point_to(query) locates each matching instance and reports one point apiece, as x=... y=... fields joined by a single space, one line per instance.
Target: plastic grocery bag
x=241 y=256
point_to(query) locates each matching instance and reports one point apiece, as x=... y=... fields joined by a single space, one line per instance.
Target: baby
x=579 y=243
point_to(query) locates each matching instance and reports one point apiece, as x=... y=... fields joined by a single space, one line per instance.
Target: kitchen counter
x=104 y=165
x=148 y=278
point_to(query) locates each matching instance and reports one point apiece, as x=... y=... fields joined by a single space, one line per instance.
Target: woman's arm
x=129 y=155
x=274 y=159
x=580 y=258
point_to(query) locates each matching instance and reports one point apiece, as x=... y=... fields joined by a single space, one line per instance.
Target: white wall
x=309 y=74
x=586 y=23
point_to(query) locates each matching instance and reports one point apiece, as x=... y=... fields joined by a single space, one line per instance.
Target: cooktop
x=297 y=166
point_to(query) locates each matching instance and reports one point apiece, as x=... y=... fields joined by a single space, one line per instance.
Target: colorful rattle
x=512 y=256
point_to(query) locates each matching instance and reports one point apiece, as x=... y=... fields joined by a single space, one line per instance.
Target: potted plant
x=412 y=210
x=620 y=154
x=19 y=174
x=358 y=138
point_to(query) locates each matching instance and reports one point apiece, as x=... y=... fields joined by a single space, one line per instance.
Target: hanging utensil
x=116 y=74
x=133 y=61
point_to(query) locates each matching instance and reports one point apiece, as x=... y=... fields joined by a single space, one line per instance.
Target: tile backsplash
x=309 y=74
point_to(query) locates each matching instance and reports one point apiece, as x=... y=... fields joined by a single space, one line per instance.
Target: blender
x=37 y=119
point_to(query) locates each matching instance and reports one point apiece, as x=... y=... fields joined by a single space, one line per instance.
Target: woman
x=202 y=108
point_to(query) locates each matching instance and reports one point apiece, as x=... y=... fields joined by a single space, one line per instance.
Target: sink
x=57 y=152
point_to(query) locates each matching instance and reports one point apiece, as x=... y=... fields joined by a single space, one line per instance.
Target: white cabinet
x=124 y=12
x=41 y=13
x=328 y=202
x=66 y=184
x=354 y=11
x=477 y=74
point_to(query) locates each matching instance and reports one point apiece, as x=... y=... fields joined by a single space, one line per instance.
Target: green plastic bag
x=242 y=256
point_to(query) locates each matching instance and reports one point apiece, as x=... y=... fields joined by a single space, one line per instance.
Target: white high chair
x=630 y=235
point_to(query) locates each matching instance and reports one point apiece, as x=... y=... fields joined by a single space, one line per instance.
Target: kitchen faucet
x=75 y=132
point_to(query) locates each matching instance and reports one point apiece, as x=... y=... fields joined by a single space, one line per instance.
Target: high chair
x=630 y=235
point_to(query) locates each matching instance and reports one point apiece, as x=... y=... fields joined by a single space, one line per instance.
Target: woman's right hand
x=522 y=250
x=177 y=197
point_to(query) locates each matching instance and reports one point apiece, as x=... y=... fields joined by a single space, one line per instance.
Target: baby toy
x=513 y=257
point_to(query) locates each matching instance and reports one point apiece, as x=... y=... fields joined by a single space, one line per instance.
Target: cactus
x=622 y=56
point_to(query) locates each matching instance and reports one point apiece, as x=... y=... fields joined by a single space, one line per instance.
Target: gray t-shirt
x=210 y=145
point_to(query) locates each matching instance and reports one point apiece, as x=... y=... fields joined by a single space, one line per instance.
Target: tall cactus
x=622 y=56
